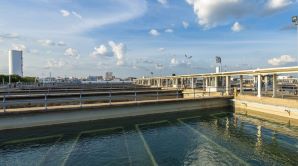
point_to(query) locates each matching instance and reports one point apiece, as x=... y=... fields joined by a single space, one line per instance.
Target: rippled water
x=220 y=138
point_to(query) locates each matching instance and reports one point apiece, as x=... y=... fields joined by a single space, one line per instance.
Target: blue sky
x=136 y=37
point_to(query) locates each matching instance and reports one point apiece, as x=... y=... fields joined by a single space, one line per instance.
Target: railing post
x=81 y=99
x=157 y=96
x=209 y=91
x=110 y=97
x=194 y=93
x=177 y=94
x=135 y=95
x=45 y=102
x=4 y=107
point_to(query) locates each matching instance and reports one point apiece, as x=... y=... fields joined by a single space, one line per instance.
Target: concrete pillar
x=215 y=82
x=259 y=85
x=228 y=84
x=167 y=82
x=266 y=82
x=241 y=84
x=192 y=83
x=274 y=85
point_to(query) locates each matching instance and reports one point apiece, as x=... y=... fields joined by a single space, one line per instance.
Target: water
x=218 y=137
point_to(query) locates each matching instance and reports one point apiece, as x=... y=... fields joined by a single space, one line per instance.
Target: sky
x=138 y=37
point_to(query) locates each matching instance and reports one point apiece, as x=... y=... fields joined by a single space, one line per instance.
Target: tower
x=15 y=62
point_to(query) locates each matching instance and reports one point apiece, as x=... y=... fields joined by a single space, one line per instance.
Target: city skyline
x=137 y=37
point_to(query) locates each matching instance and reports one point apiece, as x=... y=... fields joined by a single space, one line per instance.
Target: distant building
x=109 y=76
x=15 y=62
x=130 y=79
x=94 y=78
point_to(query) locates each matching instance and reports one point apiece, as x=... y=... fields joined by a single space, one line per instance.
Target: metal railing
x=81 y=99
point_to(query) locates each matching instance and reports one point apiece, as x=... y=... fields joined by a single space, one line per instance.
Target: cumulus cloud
x=282 y=60
x=237 y=27
x=101 y=50
x=185 y=24
x=113 y=49
x=47 y=42
x=169 y=30
x=163 y=2
x=71 y=52
x=174 y=61
x=119 y=51
x=52 y=63
x=154 y=32
x=64 y=13
x=213 y=13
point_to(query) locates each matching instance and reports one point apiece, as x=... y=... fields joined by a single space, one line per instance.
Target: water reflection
x=214 y=139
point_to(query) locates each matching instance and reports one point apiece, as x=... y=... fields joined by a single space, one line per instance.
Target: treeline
x=16 y=78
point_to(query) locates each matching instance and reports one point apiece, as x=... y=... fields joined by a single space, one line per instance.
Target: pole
x=45 y=102
x=4 y=107
x=81 y=98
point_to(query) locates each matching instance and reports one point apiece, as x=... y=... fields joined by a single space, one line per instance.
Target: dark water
x=216 y=138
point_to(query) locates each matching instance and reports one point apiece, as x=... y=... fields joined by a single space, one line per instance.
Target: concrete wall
x=24 y=120
x=284 y=110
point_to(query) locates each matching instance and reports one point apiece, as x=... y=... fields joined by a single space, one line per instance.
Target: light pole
x=295 y=22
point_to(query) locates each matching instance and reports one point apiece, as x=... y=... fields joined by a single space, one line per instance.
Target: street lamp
x=295 y=22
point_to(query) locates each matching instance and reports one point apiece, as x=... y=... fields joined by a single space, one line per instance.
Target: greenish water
x=218 y=138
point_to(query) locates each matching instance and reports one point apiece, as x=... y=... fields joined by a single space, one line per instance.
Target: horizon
x=136 y=37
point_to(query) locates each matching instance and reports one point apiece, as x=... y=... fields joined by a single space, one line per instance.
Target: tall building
x=109 y=76
x=15 y=62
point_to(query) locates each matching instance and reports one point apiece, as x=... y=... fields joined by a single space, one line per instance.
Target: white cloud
x=76 y=15
x=64 y=13
x=43 y=21
x=174 y=61
x=119 y=51
x=102 y=50
x=71 y=52
x=282 y=60
x=169 y=30
x=185 y=24
x=52 y=63
x=154 y=32
x=61 y=43
x=278 y=4
x=20 y=47
x=237 y=27
x=161 y=49
x=47 y=42
x=163 y=2
x=213 y=13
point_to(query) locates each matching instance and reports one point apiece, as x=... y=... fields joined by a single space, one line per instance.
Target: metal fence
x=81 y=99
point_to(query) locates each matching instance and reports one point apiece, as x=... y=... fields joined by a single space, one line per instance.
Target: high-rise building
x=109 y=76
x=15 y=62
